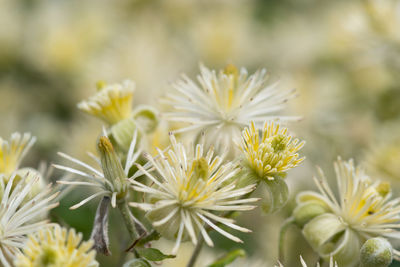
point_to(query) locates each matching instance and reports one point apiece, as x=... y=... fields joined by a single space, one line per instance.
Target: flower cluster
x=237 y=154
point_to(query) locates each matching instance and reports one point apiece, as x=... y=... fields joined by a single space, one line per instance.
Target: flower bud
x=376 y=252
x=112 y=167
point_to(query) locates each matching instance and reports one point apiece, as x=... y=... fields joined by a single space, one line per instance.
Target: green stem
x=196 y=251
x=127 y=217
x=282 y=232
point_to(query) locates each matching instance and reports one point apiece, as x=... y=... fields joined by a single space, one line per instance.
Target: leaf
x=153 y=254
x=137 y=263
x=228 y=258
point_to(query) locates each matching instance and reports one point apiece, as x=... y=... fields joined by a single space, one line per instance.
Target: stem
x=196 y=251
x=127 y=216
x=282 y=232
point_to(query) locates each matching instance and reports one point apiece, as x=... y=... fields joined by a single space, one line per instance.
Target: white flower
x=17 y=219
x=101 y=180
x=12 y=152
x=363 y=210
x=112 y=103
x=226 y=102
x=190 y=192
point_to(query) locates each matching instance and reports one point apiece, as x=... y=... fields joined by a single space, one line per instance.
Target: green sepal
x=277 y=194
x=137 y=263
x=122 y=132
x=146 y=118
x=228 y=258
x=153 y=254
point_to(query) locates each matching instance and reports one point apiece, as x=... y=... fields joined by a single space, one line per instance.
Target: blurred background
x=343 y=57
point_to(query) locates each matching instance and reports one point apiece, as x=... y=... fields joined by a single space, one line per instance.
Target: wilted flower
x=111 y=181
x=56 y=246
x=13 y=151
x=363 y=210
x=224 y=103
x=189 y=192
x=112 y=103
x=272 y=154
x=17 y=219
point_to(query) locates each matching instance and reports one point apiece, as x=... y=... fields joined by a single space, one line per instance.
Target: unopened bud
x=376 y=252
x=112 y=167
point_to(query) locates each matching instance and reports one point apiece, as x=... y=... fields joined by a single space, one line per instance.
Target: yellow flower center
x=47 y=258
x=197 y=182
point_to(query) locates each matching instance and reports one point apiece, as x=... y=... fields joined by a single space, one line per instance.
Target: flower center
x=48 y=257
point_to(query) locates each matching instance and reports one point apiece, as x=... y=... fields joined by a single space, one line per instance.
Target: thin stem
x=127 y=217
x=282 y=232
x=196 y=251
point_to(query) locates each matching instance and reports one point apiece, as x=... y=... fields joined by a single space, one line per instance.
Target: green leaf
x=137 y=263
x=153 y=254
x=228 y=258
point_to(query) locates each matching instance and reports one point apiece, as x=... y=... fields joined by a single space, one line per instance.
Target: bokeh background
x=343 y=57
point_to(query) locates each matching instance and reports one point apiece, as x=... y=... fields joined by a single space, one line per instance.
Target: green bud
x=305 y=212
x=376 y=252
x=112 y=167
